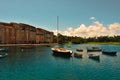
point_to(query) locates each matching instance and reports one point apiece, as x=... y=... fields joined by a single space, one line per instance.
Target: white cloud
x=115 y=26
x=94 y=30
x=92 y=18
x=114 y=29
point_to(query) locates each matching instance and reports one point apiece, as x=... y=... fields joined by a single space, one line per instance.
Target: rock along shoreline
x=43 y=44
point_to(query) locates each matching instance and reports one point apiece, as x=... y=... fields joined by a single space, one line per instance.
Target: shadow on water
x=94 y=59
x=3 y=58
x=78 y=57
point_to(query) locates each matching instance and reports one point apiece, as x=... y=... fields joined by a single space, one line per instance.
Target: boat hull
x=67 y=54
x=62 y=52
x=109 y=52
x=78 y=55
x=94 y=49
x=3 y=55
x=94 y=56
x=79 y=50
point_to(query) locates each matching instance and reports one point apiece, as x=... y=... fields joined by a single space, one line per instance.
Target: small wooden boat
x=3 y=55
x=62 y=52
x=94 y=49
x=4 y=50
x=94 y=56
x=79 y=49
x=78 y=54
x=109 y=52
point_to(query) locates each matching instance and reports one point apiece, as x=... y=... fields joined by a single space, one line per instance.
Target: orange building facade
x=19 y=33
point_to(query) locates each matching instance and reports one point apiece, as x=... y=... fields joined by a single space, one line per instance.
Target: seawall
x=44 y=44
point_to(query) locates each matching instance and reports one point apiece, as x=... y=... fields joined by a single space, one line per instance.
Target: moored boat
x=109 y=52
x=79 y=49
x=3 y=50
x=94 y=56
x=62 y=51
x=58 y=50
x=94 y=49
x=3 y=55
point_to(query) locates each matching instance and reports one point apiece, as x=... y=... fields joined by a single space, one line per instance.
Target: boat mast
x=57 y=29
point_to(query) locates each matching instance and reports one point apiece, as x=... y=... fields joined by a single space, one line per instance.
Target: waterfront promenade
x=43 y=44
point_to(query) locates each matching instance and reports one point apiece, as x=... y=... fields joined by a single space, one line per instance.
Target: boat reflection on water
x=27 y=47
x=95 y=59
x=60 y=56
x=3 y=52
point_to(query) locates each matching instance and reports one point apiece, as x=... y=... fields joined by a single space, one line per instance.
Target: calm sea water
x=40 y=64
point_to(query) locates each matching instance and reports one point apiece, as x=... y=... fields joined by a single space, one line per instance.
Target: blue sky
x=72 y=13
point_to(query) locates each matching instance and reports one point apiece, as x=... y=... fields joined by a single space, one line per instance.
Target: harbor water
x=39 y=63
